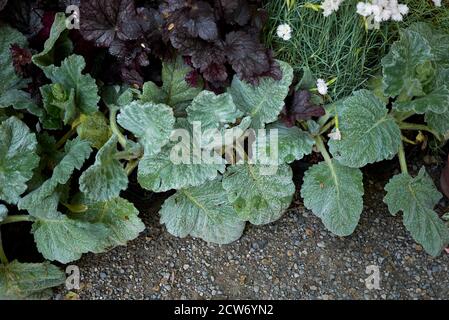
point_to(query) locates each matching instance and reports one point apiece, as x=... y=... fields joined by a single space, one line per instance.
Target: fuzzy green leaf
x=178 y=165
x=11 y=86
x=202 y=212
x=175 y=91
x=265 y=101
x=334 y=194
x=71 y=93
x=28 y=280
x=119 y=216
x=213 y=111
x=436 y=101
x=118 y=96
x=369 y=133
x=106 y=177
x=401 y=63
x=438 y=41
x=293 y=144
x=43 y=201
x=151 y=123
x=416 y=198
x=59 y=238
x=438 y=122
x=95 y=129
x=259 y=194
x=18 y=159
x=58 y=43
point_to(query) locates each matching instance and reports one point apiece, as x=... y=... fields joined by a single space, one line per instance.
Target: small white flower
x=284 y=31
x=403 y=9
x=330 y=6
x=382 y=10
x=364 y=9
x=437 y=3
x=321 y=86
x=335 y=135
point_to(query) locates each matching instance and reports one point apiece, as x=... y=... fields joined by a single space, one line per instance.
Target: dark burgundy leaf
x=235 y=11
x=21 y=58
x=247 y=55
x=3 y=4
x=444 y=180
x=302 y=108
x=109 y=21
x=25 y=16
x=132 y=76
x=193 y=78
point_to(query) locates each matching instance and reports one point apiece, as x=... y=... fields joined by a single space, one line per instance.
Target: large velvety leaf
x=438 y=122
x=11 y=86
x=369 y=133
x=43 y=201
x=59 y=238
x=416 y=198
x=258 y=194
x=178 y=165
x=119 y=216
x=292 y=144
x=70 y=76
x=203 y=212
x=57 y=43
x=436 y=101
x=438 y=41
x=175 y=92
x=106 y=177
x=95 y=129
x=400 y=64
x=263 y=102
x=28 y=280
x=159 y=173
x=213 y=111
x=334 y=194
x=151 y=123
x=18 y=159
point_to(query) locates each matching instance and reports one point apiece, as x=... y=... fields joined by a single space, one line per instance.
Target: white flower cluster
x=330 y=6
x=284 y=31
x=321 y=86
x=382 y=10
x=437 y=3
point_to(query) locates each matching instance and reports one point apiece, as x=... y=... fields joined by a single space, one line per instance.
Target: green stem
x=16 y=219
x=115 y=129
x=320 y=145
x=416 y=127
x=329 y=125
x=324 y=119
x=3 y=258
x=402 y=160
x=67 y=136
x=131 y=166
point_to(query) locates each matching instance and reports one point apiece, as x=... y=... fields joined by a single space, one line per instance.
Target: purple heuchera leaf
x=21 y=59
x=217 y=34
x=3 y=4
x=108 y=21
x=302 y=108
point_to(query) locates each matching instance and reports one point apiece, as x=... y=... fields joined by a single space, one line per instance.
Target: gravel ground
x=294 y=258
